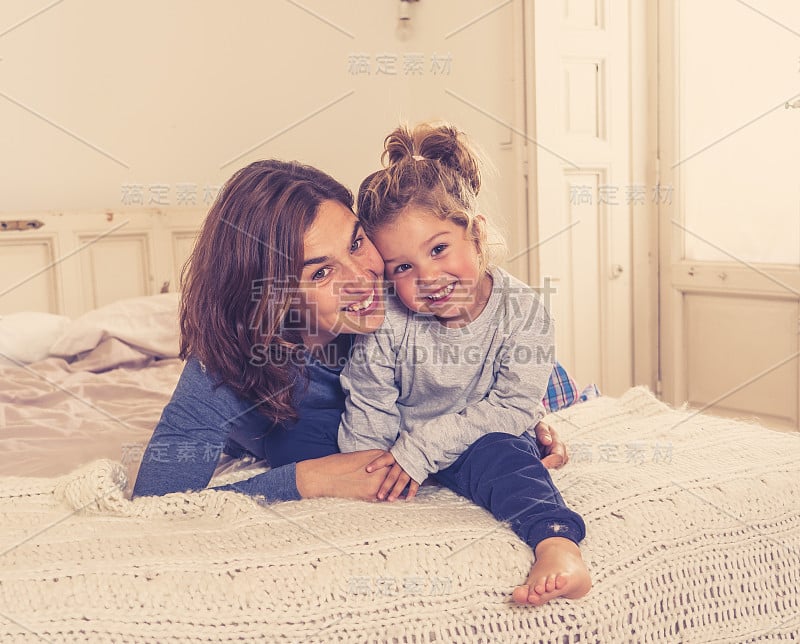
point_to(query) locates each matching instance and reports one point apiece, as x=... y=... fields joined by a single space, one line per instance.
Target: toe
x=535 y=599
x=520 y=594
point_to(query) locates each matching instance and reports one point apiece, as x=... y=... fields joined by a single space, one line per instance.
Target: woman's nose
x=360 y=276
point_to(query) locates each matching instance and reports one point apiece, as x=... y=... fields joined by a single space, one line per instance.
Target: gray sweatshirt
x=426 y=392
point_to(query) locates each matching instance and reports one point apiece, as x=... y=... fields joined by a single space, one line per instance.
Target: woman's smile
x=365 y=306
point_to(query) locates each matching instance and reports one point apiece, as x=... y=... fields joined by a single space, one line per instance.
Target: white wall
x=97 y=97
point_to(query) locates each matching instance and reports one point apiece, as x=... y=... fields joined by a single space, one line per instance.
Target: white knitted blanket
x=693 y=536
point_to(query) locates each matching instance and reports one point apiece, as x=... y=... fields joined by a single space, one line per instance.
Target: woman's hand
x=396 y=478
x=554 y=451
x=340 y=475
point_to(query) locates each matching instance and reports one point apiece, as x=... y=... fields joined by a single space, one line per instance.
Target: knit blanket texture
x=693 y=535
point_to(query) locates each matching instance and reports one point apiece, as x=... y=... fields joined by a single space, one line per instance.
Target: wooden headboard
x=70 y=263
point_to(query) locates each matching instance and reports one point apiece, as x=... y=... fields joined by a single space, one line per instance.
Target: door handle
x=20 y=224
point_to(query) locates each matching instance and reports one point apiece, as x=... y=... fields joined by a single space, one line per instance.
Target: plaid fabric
x=563 y=392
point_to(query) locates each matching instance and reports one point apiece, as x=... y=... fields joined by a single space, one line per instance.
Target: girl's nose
x=427 y=275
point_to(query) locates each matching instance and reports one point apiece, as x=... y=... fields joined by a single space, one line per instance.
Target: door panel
x=581 y=153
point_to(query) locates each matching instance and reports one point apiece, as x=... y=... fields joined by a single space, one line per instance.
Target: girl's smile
x=435 y=266
x=442 y=295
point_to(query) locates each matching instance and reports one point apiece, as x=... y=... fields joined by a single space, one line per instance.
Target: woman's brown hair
x=241 y=280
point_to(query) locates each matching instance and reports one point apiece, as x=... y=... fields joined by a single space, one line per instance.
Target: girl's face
x=434 y=266
x=341 y=286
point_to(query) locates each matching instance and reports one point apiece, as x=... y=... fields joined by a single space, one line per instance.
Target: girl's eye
x=357 y=243
x=438 y=249
x=321 y=274
x=401 y=268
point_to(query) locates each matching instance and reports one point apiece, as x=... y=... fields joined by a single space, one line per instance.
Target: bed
x=693 y=523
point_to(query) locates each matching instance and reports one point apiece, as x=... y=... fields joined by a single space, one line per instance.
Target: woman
x=281 y=276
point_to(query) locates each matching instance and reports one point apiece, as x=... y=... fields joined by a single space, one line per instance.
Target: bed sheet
x=56 y=415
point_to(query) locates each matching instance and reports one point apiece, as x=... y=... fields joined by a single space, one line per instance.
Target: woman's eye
x=357 y=243
x=401 y=268
x=438 y=249
x=321 y=274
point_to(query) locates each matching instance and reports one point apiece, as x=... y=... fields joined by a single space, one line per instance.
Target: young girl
x=461 y=361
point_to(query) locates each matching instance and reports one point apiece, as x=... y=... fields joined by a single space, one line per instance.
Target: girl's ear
x=479 y=231
x=480 y=235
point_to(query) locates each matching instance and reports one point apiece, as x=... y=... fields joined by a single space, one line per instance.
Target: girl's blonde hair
x=430 y=167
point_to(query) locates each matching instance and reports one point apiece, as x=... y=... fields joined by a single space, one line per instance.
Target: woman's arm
x=188 y=441
x=340 y=475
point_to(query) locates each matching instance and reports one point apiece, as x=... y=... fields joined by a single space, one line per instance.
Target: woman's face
x=341 y=287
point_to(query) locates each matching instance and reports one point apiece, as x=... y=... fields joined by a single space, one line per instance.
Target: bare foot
x=558 y=571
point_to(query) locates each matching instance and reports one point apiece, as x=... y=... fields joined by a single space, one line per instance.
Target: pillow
x=563 y=392
x=148 y=323
x=27 y=336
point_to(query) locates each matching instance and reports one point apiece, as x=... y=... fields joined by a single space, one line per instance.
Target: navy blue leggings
x=504 y=474
x=500 y=472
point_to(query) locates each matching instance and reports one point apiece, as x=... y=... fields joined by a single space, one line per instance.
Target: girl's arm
x=371 y=419
x=513 y=405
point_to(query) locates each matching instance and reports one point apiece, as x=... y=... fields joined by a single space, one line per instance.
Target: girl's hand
x=340 y=475
x=396 y=479
x=384 y=460
x=554 y=451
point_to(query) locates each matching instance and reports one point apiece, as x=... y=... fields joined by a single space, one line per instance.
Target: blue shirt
x=205 y=418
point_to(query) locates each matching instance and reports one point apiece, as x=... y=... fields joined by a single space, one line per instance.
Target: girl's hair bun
x=439 y=143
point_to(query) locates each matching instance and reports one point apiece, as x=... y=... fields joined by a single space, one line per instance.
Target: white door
x=729 y=140
x=580 y=182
